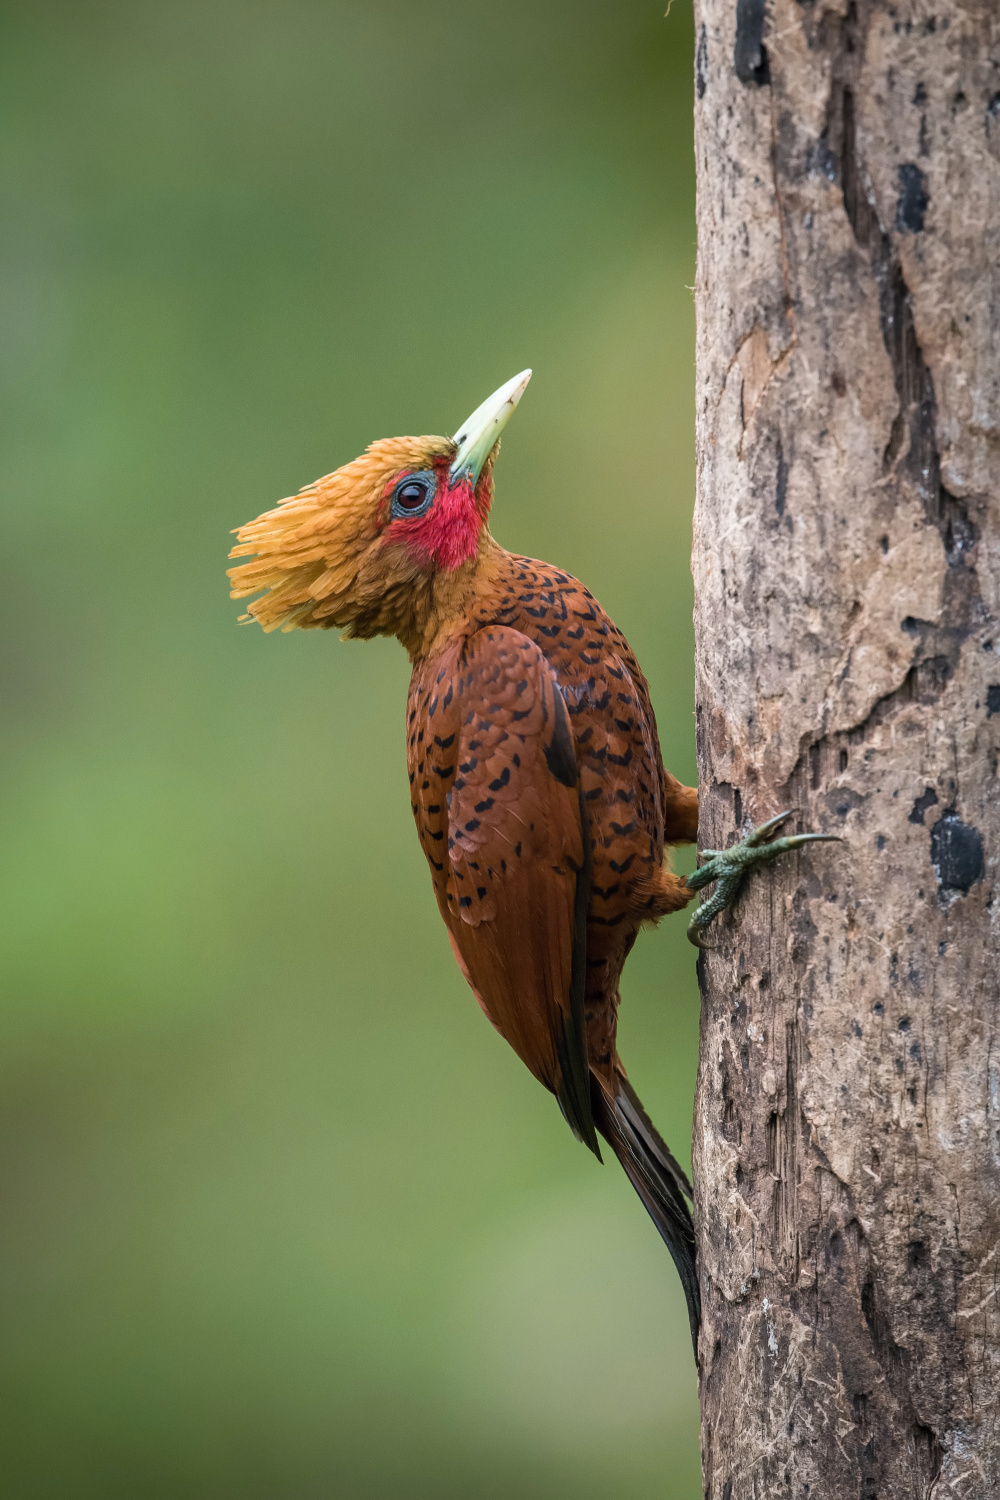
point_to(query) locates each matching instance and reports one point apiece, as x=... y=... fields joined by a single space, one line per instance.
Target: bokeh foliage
x=283 y=1217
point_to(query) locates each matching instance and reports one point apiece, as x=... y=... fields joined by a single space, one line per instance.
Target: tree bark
x=847 y=1125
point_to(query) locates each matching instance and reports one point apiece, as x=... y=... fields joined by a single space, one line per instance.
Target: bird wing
x=497 y=801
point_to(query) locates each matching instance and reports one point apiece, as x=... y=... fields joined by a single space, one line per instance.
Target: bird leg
x=730 y=868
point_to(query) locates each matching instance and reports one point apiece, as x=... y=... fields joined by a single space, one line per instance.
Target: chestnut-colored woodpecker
x=540 y=798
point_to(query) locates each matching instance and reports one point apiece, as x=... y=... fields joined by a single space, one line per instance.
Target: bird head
x=366 y=548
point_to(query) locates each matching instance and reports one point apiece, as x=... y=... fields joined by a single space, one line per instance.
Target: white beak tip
x=478 y=433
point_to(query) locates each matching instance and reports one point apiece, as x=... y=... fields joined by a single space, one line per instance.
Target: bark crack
x=912 y=450
x=912 y=456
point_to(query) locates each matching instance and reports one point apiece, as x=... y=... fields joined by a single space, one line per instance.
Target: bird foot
x=730 y=868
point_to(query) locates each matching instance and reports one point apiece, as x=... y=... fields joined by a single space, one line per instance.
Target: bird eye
x=413 y=496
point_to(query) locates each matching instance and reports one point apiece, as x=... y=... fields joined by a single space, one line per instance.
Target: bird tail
x=657 y=1178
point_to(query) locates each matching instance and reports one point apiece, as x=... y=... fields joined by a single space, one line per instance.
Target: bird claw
x=730 y=867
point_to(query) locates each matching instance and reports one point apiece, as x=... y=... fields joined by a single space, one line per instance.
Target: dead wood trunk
x=847 y=1130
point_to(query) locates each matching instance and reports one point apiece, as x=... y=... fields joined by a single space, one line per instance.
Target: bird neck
x=440 y=608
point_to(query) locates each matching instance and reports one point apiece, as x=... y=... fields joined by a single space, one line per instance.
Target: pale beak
x=477 y=435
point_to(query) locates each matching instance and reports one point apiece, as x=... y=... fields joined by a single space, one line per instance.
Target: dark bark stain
x=928 y=1452
x=782 y=484
x=917 y=1257
x=701 y=64
x=926 y=799
x=913 y=199
x=750 y=54
x=956 y=853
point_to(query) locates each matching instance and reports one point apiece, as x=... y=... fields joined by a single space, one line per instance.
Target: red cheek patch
x=448 y=535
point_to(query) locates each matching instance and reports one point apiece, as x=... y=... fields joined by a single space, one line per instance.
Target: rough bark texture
x=847 y=1134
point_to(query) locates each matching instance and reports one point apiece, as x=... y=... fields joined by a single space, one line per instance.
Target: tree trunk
x=847 y=1129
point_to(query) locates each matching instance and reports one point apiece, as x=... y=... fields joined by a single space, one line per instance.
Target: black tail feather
x=657 y=1178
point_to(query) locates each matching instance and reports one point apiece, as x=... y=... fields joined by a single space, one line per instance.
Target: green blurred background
x=282 y=1216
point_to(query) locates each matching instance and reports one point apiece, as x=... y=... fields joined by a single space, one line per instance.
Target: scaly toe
x=730 y=866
